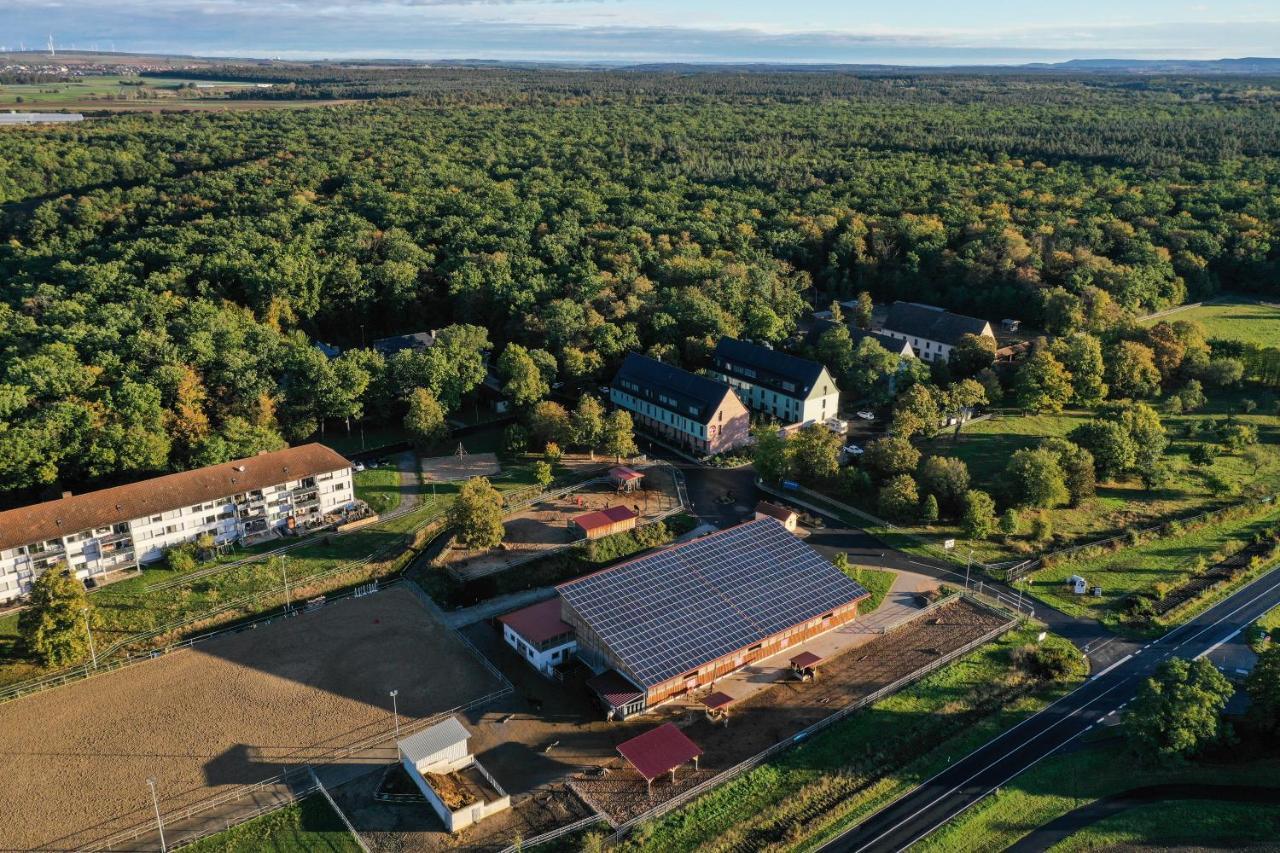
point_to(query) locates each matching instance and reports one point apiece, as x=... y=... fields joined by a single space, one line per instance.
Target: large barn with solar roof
x=669 y=622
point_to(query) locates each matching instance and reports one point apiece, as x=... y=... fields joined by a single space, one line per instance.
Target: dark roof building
x=932 y=331
x=698 y=413
x=797 y=390
x=681 y=617
x=397 y=343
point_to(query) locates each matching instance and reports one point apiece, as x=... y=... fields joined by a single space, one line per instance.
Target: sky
x=908 y=32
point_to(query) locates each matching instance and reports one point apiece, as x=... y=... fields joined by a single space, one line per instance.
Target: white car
x=853 y=450
x=359 y=466
x=867 y=416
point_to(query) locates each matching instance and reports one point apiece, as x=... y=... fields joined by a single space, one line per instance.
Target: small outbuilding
x=717 y=705
x=625 y=479
x=804 y=666
x=788 y=517
x=658 y=751
x=1078 y=584
x=458 y=788
x=539 y=635
x=604 y=522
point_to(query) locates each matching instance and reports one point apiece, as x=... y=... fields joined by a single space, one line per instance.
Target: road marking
x=1122 y=660
x=973 y=776
x=1219 y=644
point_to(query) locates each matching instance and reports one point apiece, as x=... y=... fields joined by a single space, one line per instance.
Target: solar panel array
x=672 y=611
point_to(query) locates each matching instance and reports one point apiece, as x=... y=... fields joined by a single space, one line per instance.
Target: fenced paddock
x=227 y=713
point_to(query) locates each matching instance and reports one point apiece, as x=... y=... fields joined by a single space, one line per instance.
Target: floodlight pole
x=93 y=652
x=284 y=573
x=395 y=712
x=155 y=801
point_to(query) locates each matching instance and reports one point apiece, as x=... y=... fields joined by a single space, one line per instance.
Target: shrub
x=1049 y=663
x=181 y=558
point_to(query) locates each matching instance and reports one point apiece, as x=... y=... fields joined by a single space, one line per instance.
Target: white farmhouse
x=932 y=332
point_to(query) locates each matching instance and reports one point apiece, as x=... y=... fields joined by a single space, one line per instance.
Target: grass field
x=106 y=89
x=852 y=768
x=1061 y=783
x=308 y=826
x=1220 y=825
x=878 y=582
x=379 y=487
x=985 y=446
x=1138 y=569
x=1236 y=319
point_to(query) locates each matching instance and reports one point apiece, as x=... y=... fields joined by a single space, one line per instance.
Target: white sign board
x=949 y=544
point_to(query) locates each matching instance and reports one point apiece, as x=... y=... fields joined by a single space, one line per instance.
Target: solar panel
x=672 y=611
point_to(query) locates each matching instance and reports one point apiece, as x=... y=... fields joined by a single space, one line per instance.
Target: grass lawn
x=1061 y=783
x=1166 y=825
x=307 y=826
x=986 y=446
x=840 y=775
x=1235 y=319
x=878 y=582
x=1138 y=569
x=379 y=487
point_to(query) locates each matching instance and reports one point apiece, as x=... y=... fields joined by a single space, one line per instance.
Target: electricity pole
x=155 y=801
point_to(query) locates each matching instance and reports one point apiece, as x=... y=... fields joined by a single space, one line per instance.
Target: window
x=157 y=518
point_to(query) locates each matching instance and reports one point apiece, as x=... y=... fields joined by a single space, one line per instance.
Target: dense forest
x=166 y=275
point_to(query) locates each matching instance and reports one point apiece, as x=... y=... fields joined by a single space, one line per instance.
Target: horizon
x=820 y=32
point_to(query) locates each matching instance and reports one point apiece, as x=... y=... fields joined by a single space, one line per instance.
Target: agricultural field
x=225 y=713
x=108 y=91
x=985 y=446
x=846 y=772
x=1233 y=319
x=1061 y=783
x=1148 y=568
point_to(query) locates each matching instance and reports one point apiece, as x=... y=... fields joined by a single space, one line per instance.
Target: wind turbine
x=52 y=52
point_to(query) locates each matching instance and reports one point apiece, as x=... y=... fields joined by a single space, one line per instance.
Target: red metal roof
x=537 y=622
x=659 y=750
x=614 y=688
x=774 y=511
x=718 y=700
x=805 y=659
x=622 y=472
x=604 y=517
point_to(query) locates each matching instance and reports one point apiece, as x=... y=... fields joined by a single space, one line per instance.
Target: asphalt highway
x=970 y=779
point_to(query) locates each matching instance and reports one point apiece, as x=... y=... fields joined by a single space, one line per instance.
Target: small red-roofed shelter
x=717 y=705
x=658 y=751
x=625 y=479
x=805 y=665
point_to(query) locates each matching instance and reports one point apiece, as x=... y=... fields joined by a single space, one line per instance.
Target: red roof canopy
x=804 y=659
x=718 y=700
x=604 y=517
x=537 y=622
x=614 y=688
x=622 y=472
x=659 y=750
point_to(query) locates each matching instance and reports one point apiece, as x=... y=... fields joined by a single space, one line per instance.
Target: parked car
x=359 y=466
x=867 y=416
x=853 y=450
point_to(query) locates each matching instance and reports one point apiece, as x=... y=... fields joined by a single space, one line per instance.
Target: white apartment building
x=98 y=533
x=794 y=390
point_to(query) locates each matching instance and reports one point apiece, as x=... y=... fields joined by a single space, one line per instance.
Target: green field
x=985 y=446
x=1233 y=319
x=860 y=763
x=106 y=89
x=379 y=487
x=1061 y=783
x=878 y=582
x=308 y=826
x=1138 y=569
x=1221 y=825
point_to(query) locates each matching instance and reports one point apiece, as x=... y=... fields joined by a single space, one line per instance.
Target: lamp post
x=155 y=801
x=967 y=564
x=284 y=573
x=395 y=712
x=93 y=652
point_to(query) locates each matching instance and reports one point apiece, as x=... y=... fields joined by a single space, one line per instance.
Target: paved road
x=967 y=781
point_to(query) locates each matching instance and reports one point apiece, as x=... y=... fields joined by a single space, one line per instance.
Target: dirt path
x=1063 y=827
